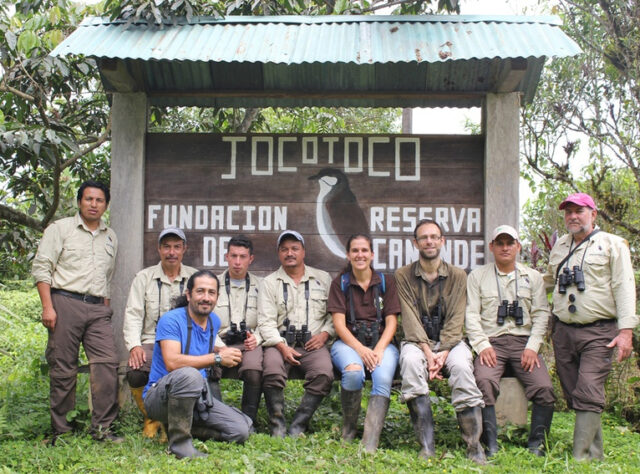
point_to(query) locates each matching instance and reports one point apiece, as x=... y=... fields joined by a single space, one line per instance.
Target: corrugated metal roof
x=326 y=60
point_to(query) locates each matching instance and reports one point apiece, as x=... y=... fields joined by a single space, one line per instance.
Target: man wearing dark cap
x=506 y=320
x=153 y=291
x=295 y=327
x=72 y=269
x=594 y=304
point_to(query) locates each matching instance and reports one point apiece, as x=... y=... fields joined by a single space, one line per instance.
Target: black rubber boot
x=274 y=399
x=470 y=421
x=350 y=411
x=374 y=421
x=490 y=430
x=251 y=400
x=585 y=432
x=422 y=419
x=541 y=416
x=303 y=414
x=180 y=418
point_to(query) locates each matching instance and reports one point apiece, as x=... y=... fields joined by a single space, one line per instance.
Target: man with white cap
x=152 y=294
x=295 y=328
x=506 y=319
x=594 y=304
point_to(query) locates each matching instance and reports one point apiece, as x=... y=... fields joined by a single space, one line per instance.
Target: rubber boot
x=596 y=450
x=490 y=430
x=151 y=427
x=422 y=419
x=303 y=414
x=274 y=399
x=541 y=416
x=374 y=421
x=180 y=418
x=351 y=400
x=251 y=400
x=204 y=433
x=470 y=421
x=585 y=432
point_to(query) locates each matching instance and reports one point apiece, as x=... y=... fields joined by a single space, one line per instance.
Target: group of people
x=185 y=329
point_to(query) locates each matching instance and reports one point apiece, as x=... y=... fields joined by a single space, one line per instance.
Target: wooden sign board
x=327 y=187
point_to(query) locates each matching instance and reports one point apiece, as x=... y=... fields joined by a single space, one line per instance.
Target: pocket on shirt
x=319 y=301
x=597 y=265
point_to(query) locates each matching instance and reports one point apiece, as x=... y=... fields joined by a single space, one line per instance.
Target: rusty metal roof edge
x=552 y=20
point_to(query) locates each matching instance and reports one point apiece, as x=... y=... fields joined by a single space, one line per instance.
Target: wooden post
x=129 y=125
x=501 y=126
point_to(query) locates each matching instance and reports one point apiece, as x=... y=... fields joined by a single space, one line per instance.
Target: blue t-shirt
x=173 y=326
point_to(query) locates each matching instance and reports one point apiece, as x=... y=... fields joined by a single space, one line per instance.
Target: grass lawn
x=24 y=424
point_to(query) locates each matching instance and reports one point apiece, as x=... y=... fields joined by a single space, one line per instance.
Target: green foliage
x=582 y=131
x=24 y=428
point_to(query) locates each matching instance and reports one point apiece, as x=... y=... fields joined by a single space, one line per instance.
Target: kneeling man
x=177 y=393
x=507 y=316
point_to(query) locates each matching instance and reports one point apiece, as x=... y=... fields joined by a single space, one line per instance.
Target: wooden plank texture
x=325 y=186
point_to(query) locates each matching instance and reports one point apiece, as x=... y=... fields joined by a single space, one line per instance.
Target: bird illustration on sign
x=338 y=214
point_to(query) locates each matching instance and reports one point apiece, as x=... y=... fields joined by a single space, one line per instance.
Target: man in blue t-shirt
x=177 y=393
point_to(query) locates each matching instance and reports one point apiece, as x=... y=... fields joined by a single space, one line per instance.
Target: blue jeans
x=342 y=356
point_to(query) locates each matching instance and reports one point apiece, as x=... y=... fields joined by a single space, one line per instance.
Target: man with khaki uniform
x=506 y=320
x=237 y=309
x=594 y=304
x=295 y=327
x=433 y=297
x=153 y=291
x=73 y=269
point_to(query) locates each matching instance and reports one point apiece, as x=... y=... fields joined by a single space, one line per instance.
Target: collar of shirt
x=443 y=271
x=375 y=279
x=158 y=272
x=80 y=223
x=282 y=275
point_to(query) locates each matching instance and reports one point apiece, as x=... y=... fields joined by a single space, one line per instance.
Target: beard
x=425 y=256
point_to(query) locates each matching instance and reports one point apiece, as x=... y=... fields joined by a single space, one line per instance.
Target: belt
x=77 y=296
x=594 y=323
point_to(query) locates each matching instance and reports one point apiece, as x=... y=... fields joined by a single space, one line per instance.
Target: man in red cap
x=594 y=304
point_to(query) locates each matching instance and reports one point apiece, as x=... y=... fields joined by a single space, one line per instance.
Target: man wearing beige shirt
x=73 y=269
x=594 y=304
x=433 y=296
x=237 y=309
x=295 y=327
x=507 y=316
x=153 y=292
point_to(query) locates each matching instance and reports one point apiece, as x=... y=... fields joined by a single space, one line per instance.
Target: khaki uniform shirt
x=71 y=258
x=148 y=301
x=412 y=284
x=483 y=299
x=610 y=289
x=235 y=301
x=272 y=310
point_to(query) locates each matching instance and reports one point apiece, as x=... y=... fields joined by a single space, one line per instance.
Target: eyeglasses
x=427 y=238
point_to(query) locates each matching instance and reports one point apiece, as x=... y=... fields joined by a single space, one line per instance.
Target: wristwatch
x=217 y=359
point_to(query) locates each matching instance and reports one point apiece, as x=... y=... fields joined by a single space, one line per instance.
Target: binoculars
x=513 y=310
x=233 y=336
x=432 y=324
x=295 y=336
x=569 y=277
x=367 y=333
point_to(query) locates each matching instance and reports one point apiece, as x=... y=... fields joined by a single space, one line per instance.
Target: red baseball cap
x=579 y=199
